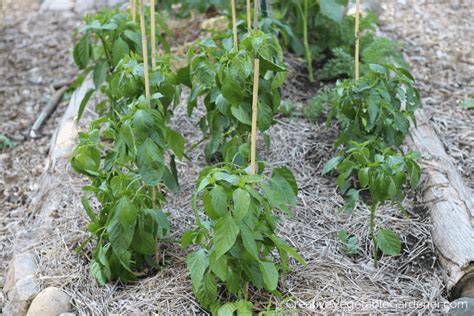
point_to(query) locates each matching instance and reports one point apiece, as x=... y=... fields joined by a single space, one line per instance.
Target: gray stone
x=20 y=296
x=58 y=5
x=463 y=306
x=21 y=266
x=50 y=302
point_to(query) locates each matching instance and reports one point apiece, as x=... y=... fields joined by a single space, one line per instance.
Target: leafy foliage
x=318 y=104
x=375 y=116
x=381 y=104
x=223 y=77
x=5 y=142
x=129 y=152
x=237 y=237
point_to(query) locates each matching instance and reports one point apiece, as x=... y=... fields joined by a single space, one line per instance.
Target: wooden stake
x=133 y=10
x=255 y=15
x=145 y=49
x=249 y=16
x=256 y=77
x=253 y=138
x=153 y=35
x=234 y=25
x=357 y=38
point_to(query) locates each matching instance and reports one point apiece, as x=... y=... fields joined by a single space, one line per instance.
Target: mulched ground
x=36 y=51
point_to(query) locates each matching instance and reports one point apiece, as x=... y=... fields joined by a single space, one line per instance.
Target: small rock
x=51 y=301
x=57 y=5
x=463 y=306
x=20 y=296
x=21 y=266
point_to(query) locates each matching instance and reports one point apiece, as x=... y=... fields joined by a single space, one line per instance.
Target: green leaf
x=176 y=142
x=331 y=164
x=218 y=266
x=82 y=52
x=241 y=200
x=227 y=309
x=264 y=117
x=150 y=162
x=467 y=104
x=388 y=242
x=248 y=240
x=281 y=244
x=225 y=232
x=219 y=200
x=363 y=176
x=100 y=73
x=122 y=228
x=241 y=115
x=286 y=174
x=270 y=275
x=232 y=91
x=197 y=263
x=119 y=50
x=84 y=102
x=332 y=10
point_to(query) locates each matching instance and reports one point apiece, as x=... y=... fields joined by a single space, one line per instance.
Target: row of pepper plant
x=375 y=114
x=129 y=155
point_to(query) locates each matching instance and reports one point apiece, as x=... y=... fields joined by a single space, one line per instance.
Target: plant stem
x=373 y=208
x=306 y=41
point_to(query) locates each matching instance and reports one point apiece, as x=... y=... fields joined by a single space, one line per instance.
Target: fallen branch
x=46 y=112
x=452 y=209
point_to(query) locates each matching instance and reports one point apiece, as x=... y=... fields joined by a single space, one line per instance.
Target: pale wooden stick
x=357 y=38
x=145 y=49
x=253 y=138
x=133 y=11
x=153 y=35
x=255 y=15
x=234 y=25
x=249 y=16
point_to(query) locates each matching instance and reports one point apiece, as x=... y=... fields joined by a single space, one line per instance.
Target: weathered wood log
x=451 y=207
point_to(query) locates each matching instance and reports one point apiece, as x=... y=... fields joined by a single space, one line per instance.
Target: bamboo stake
x=256 y=77
x=133 y=10
x=145 y=49
x=249 y=16
x=153 y=35
x=255 y=14
x=234 y=25
x=357 y=38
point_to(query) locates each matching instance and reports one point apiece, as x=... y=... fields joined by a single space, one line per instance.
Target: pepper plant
x=374 y=115
x=222 y=75
x=129 y=152
x=236 y=238
x=382 y=173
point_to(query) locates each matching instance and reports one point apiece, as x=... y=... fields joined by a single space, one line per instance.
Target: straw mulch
x=331 y=282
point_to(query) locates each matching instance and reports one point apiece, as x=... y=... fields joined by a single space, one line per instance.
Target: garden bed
x=331 y=282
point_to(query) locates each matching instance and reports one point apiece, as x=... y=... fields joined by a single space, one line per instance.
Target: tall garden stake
x=256 y=76
x=153 y=35
x=249 y=16
x=234 y=25
x=357 y=39
x=145 y=49
x=133 y=10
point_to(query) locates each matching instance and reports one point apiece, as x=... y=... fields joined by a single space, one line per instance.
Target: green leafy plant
x=341 y=65
x=129 y=153
x=124 y=160
x=349 y=243
x=237 y=236
x=381 y=104
x=318 y=104
x=382 y=173
x=286 y=108
x=106 y=39
x=5 y=142
x=222 y=76
x=383 y=50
